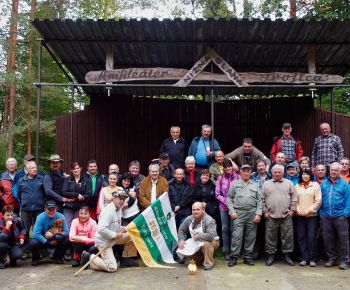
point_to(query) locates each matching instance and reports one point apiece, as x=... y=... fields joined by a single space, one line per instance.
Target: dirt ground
x=278 y=276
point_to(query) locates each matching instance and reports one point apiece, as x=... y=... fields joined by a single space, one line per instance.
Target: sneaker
x=35 y=263
x=249 y=262
x=232 y=262
x=329 y=264
x=343 y=266
x=208 y=268
x=312 y=264
x=302 y=263
x=84 y=258
x=75 y=263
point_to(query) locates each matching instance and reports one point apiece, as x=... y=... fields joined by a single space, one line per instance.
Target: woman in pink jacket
x=222 y=186
x=81 y=235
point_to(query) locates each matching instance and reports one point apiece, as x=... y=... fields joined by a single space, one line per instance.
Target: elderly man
x=320 y=173
x=345 y=170
x=180 y=196
x=112 y=168
x=279 y=200
x=287 y=144
x=43 y=236
x=152 y=187
x=203 y=149
x=110 y=230
x=136 y=176
x=244 y=205
x=328 y=147
x=248 y=154
x=11 y=169
x=216 y=169
x=202 y=229
x=334 y=215
x=175 y=147
x=165 y=168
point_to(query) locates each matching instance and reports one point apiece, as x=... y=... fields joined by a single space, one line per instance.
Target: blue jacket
x=31 y=199
x=294 y=178
x=194 y=144
x=335 y=198
x=44 y=223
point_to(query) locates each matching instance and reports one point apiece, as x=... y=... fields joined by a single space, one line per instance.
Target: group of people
x=254 y=198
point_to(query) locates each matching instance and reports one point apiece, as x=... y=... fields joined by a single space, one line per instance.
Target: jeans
x=60 y=249
x=29 y=219
x=15 y=252
x=70 y=215
x=227 y=230
x=306 y=229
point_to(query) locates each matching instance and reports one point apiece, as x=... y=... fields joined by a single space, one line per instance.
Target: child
x=292 y=172
x=81 y=235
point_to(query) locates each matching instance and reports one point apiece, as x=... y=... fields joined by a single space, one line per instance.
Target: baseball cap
x=246 y=166
x=50 y=204
x=163 y=156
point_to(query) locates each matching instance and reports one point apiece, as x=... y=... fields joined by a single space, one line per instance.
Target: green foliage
x=274 y=8
x=329 y=9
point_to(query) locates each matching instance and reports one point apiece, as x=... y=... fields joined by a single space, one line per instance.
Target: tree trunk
x=10 y=86
x=245 y=9
x=293 y=8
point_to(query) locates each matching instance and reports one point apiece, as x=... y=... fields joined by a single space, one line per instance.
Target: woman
x=106 y=192
x=74 y=187
x=204 y=191
x=12 y=235
x=222 y=186
x=131 y=207
x=191 y=172
x=309 y=202
x=81 y=235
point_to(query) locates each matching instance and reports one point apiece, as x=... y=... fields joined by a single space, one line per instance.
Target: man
x=248 y=154
x=328 y=147
x=244 y=205
x=112 y=168
x=152 y=187
x=165 y=168
x=203 y=149
x=261 y=175
x=136 y=176
x=43 y=237
x=202 y=228
x=293 y=172
x=175 y=147
x=53 y=182
x=94 y=182
x=11 y=169
x=334 y=214
x=110 y=230
x=320 y=173
x=31 y=195
x=345 y=171
x=279 y=200
x=216 y=169
x=287 y=144
x=180 y=196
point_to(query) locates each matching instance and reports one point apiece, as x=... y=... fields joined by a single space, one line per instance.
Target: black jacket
x=92 y=197
x=71 y=189
x=206 y=193
x=176 y=151
x=181 y=194
x=17 y=231
x=167 y=172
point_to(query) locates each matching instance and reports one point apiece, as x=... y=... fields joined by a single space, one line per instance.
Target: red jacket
x=6 y=195
x=276 y=147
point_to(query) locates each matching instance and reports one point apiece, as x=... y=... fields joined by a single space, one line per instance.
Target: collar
x=281 y=180
x=154 y=181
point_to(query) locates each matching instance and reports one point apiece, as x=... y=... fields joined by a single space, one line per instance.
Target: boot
x=288 y=259
x=270 y=260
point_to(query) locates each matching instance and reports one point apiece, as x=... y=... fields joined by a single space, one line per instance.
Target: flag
x=154 y=233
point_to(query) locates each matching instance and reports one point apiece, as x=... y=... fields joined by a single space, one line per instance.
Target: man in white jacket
x=109 y=228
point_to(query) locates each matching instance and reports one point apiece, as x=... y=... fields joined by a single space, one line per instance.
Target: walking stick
x=99 y=253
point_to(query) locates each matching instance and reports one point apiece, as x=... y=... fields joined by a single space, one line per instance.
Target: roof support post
x=109 y=62
x=311 y=63
x=38 y=92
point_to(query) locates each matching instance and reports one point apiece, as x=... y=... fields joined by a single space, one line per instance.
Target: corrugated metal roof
x=247 y=45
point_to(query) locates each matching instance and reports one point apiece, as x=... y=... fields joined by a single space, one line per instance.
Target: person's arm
x=213 y=173
x=216 y=147
x=192 y=150
x=259 y=202
x=218 y=194
x=186 y=200
x=50 y=194
x=314 y=154
x=340 y=150
x=229 y=200
x=263 y=198
x=293 y=197
x=299 y=151
x=104 y=224
x=143 y=199
x=66 y=190
x=346 y=211
x=210 y=233
x=184 y=229
x=101 y=200
x=274 y=151
x=38 y=229
x=318 y=198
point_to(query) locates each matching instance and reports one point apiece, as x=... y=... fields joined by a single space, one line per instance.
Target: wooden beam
x=109 y=56
x=311 y=58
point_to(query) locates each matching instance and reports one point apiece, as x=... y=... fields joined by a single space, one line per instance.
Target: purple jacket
x=222 y=186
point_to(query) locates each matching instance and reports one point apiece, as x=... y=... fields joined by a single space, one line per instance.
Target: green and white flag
x=154 y=233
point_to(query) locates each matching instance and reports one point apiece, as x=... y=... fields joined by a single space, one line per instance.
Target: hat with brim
x=50 y=204
x=55 y=158
x=120 y=193
x=29 y=157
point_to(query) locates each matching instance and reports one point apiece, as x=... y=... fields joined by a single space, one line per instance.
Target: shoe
x=35 y=263
x=312 y=264
x=232 y=262
x=25 y=256
x=329 y=264
x=59 y=261
x=84 y=258
x=128 y=262
x=343 y=266
x=288 y=260
x=302 y=263
x=208 y=268
x=67 y=257
x=256 y=256
x=227 y=256
x=249 y=262
x=75 y=263
x=270 y=260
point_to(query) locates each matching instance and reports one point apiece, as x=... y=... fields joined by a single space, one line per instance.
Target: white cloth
x=154 y=191
x=191 y=246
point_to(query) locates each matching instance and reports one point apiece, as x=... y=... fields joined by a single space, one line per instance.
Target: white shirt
x=154 y=190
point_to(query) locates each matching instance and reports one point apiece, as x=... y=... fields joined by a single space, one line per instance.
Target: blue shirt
x=201 y=154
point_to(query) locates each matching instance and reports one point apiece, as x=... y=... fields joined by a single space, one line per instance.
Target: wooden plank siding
x=124 y=128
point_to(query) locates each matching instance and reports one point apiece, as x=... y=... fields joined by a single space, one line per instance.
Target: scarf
x=192 y=173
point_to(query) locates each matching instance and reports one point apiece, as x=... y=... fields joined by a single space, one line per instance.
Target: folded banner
x=154 y=233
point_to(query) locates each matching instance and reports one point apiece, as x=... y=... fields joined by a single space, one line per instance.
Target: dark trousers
x=29 y=219
x=14 y=251
x=78 y=248
x=60 y=249
x=306 y=230
x=333 y=228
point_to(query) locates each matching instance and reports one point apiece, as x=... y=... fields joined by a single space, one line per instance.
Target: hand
x=119 y=235
x=80 y=197
x=8 y=224
x=204 y=204
x=132 y=194
x=177 y=208
x=21 y=241
x=257 y=219
x=301 y=213
x=76 y=240
x=234 y=216
x=53 y=243
x=208 y=153
x=266 y=215
x=125 y=205
x=48 y=235
x=291 y=213
x=181 y=244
